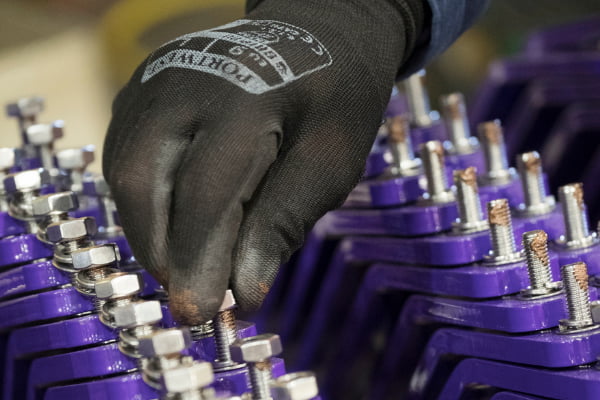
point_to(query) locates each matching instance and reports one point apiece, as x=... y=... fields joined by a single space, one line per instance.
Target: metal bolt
x=295 y=386
x=504 y=250
x=537 y=202
x=25 y=110
x=457 y=125
x=418 y=100
x=8 y=159
x=23 y=188
x=96 y=186
x=470 y=215
x=93 y=264
x=577 y=233
x=74 y=162
x=575 y=281
x=135 y=319
x=162 y=349
x=403 y=162
x=187 y=380
x=535 y=245
x=256 y=352
x=225 y=331
x=432 y=155
x=42 y=137
x=491 y=138
x=53 y=208
x=69 y=236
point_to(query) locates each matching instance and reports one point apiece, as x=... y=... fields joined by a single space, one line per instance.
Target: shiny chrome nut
x=295 y=386
x=96 y=256
x=187 y=378
x=8 y=158
x=55 y=202
x=118 y=285
x=25 y=107
x=32 y=179
x=76 y=159
x=42 y=134
x=255 y=349
x=164 y=342
x=96 y=186
x=229 y=302
x=137 y=314
x=72 y=229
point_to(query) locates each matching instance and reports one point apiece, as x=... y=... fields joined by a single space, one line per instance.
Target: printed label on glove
x=256 y=55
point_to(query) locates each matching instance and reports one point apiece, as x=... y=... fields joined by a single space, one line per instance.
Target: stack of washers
x=82 y=320
x=449 y=274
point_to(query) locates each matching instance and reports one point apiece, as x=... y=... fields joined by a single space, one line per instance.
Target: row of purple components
x=82 y=320
x=417 y=290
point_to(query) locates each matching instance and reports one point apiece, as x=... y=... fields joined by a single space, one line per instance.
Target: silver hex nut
x=96 y=186
x=30 y=180
x=229 y=302
x=55 y=202
x=75 y=159
x=25 y=107
x=256 y=348
x=42 y=134
x=118 y=285
x=187 y=378
x=295 y=386
x=137 y=313
x=165 y=342
x=73 y=229
x=8 y=158
x=96 y=256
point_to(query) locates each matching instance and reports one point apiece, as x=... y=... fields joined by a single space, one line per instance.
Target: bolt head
x=73 y=229
x=137 y=314
x=75 y=159
x=96 y=186
x=229 y=302
x=256 y=348
x=55 y=202
x=164 y=342
x=96 y=256
x=25 y=107
x=295 y=386
x=32 y=179
x=119 y=285
x=187 y=378
x=8 y=158
x=42 y=134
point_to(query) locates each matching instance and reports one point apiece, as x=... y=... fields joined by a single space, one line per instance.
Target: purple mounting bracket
x=129 y=386
x=582 y=35
x=552 y=223
x=436 y=131
x=589 y=255
x=541 y=349
x=10 y=226
x=462 y=161
x=580 y=383
x=512 y=191
x=22 y=249
x=30 y=278
x=513 y=396
x=389 y=191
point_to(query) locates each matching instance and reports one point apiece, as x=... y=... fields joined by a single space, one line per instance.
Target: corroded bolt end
x=575 y=281
x=470 y=216
x=432 y=155
x=504 y=250
x=403 y=161
x=295 y=386
x=27 y=107
x=491 y=138
x=418 y=100
x=457 y=125
x=535 y=245
x=577 y=234
x=225 y=332
x=44 y=134
x=537 y=202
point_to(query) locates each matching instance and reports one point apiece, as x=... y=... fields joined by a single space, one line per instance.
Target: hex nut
x=229 y=302
x=32 y=179
x=137 y=314
x=55 y=202
x=25 y=107
x=164 y=342
x=256 y=348
x=75 y=159
x=187 y=378
x=8 y=158
x=295 y=386
x=95 y=256
x=96 y=186
x=73 y=229
x=42 y=134
x=118 y=285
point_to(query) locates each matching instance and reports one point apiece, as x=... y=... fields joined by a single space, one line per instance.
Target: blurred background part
x=78 y=53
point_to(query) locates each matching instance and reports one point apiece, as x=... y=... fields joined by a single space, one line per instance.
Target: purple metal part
x=129 y=386
x=512 y=191
x=513 y=396
x=31 y=277
x=552 y=223
x=10 y=226
x=462 y=161
x=589 y=255
x=22 y=249
x=393 y=191
x=580 y=383
x=436 y=131
x=574 y=37
x=204 y=349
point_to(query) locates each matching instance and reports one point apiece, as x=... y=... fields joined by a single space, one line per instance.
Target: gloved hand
x=227 y=145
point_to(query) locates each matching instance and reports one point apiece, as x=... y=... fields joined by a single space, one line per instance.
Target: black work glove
x=227 y=145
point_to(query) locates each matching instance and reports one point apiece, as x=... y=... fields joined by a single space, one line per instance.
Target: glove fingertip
x=189 y=308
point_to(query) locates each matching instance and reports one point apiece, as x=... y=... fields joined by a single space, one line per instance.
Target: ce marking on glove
x=256 y=55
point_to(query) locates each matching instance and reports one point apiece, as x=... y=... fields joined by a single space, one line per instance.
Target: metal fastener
x=470 y=215
x=403 y=161
x=418 y=100
x=535 y=246
x=225 y=332
x=504 y=249
x=491 y=138
x=575 y=281
x=295 y=386
x=432 y=156
x=457 y=124
x=577 y=233
x=537 y=201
